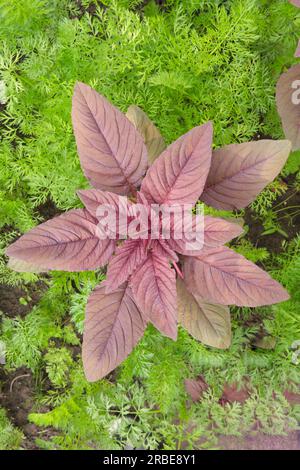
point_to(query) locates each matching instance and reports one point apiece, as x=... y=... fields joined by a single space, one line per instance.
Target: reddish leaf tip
x=82 y=194
x=209 y=125
x=79 y=86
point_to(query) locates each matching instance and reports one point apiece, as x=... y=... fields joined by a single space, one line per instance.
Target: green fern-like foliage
x=184 y=63
x=10 y=437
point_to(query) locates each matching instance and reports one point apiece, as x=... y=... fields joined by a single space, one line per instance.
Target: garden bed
x=184 y=65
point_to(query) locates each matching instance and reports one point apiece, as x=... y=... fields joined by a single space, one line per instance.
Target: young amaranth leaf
x=114 y=158
x=153 y=139
x=180 y=172
x=288 y=104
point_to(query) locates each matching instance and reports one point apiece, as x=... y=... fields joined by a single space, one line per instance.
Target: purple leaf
x=93 y=199
x=232 y=393
x=207 y=322
x=127 y=258
x=112 y=153
x=196 y=388
x=152 y=137
x=69 y=242
x=113 y=326
x=295 y=2
x=288 y=104
x=297 y=52
x=239 y=172
x=24 y=266
x=162 y=248
x=217 y=232
x=154 y=288
x=180 y=172
x=220 y=275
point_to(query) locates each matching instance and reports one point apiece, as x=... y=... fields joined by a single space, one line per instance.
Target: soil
x=261 y=441
x=18 y=398
x=10 y=298
x=90 y=9
x=291 y=226
x=48 y=210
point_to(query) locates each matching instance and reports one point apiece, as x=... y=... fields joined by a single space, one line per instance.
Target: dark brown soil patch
x=17 y=396
x=75 y=350
x=285 y=208
x=5 y=229
x=90 y=9
x=48 y=210
x=10 y=298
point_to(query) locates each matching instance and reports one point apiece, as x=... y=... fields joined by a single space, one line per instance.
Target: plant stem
x=177 y=270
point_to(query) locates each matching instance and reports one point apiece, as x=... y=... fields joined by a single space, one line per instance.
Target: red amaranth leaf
x=154 y=289
x=94 y=198
x=163 y=249
x=288 y=104
x=113 y=326
x=239 y=172
x=112 y=153
x=220 y=275
x=295 y=2
x=152 y=137
x=126 y=259
x=179 y=173
x=24 y=266
x=69 y=242
x=217 y=232
x=206 y=322
x=231 y=394
x=196 y=388
x=292 y=397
